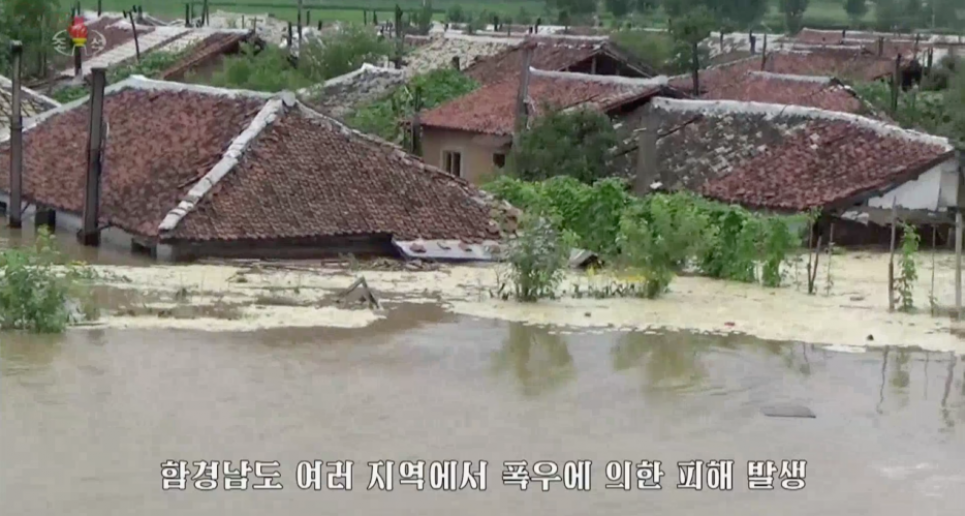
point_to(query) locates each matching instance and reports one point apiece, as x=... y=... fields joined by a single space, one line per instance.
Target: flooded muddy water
x=87 y=418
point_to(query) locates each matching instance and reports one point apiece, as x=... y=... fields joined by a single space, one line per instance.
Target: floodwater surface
x=88 y=417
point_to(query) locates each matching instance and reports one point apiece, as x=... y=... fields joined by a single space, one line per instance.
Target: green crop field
x=820 y=12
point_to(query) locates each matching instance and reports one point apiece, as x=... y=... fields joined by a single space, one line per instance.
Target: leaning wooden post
x=16 y=138
x=204 y=13
x=522 y=93
x=187 y=14
x=891 y=256
x=764 y=54
x=89 y=234
x=99 y=9
x=137 y=44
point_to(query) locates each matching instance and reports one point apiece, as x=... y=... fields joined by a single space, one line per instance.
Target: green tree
x=619 y=8
x=577 y=8
x=889 y=15
x=694 y=26
x=34 y=23
x=575 y=144
x=455 y=14
x=856 y=10
x=794 y=14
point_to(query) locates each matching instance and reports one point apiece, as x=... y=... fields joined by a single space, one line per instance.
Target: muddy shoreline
x=850 y=308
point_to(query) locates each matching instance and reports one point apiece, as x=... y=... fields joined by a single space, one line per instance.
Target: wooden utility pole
x=646 y=173
x=14 y=208
x=958 y=232
x=695 y=68
x=90 y=233
x=523 y=92
x=764 y=54
x=299 y=23
x=204 y=13
x=891 y=255
x=416 y=123
x=896 y=85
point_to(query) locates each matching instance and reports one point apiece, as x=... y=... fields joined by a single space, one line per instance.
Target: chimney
x=881 y=46
x=646 y=173
x=455 y=62
x=523 y=92
x=14 y=207
x=753 y=40
x=89 y=234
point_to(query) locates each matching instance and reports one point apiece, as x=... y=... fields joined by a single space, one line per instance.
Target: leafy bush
x=537 y=259
x=660 y=234
x=575 y=144
x=270 y=69
x=37 y=288
x=382 y=117
x=455 y=14
x=908 y=269
x=924 y=110
x=150 y=65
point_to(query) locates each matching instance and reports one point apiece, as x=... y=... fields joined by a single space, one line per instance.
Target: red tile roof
x=158 y=145
x=302 y=176
x=820 y=63
x=307 y=176
x=491 y=109
x=787 y=157
x=789 y=89
x=555 y=54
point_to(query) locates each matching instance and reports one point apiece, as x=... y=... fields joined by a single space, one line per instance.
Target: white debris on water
x=854 y=316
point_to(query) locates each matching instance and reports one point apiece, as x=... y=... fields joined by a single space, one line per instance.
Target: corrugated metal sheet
x=449 y=250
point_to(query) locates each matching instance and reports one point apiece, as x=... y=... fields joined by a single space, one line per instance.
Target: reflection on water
x=67 y=243
x=88 y=416
x=538 y=360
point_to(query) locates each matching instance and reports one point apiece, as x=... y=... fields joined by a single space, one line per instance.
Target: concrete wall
x=937 y=188
x=477 y=151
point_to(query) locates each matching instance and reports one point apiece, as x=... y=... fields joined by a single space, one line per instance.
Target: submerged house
x=588 y=55
x=787 y=158
x=192 y=171
x=470 y=136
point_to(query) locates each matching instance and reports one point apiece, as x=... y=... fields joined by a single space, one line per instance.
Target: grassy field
x=820 y=12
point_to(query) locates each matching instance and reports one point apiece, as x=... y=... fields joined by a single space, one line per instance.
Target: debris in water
x=358 y=292
x=788 y=411
x=870 y=338
x=586 y=314
x=729 y=324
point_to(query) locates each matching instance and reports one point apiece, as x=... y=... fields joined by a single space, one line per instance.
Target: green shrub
x=537 y=258
x=38 y=287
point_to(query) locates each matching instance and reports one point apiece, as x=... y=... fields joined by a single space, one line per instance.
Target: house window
x=499 y=159
x=452 y=163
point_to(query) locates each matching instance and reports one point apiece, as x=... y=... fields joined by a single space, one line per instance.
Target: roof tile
x=491 y=109
x=784 y=157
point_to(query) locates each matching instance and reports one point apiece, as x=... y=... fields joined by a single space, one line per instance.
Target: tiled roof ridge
x=396 y=151
x=362 y=70
x=660 y=80
x=7 y=83
x=141 y=83
x=268 y=114
x=792 y=77
x=720 y=66
x=712 y=107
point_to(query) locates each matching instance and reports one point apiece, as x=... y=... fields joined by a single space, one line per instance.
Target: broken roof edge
x=660 y=80
x=720 y=107
x=7 y=83
x=265 y=117
x=362 y=70
x=819 y=79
